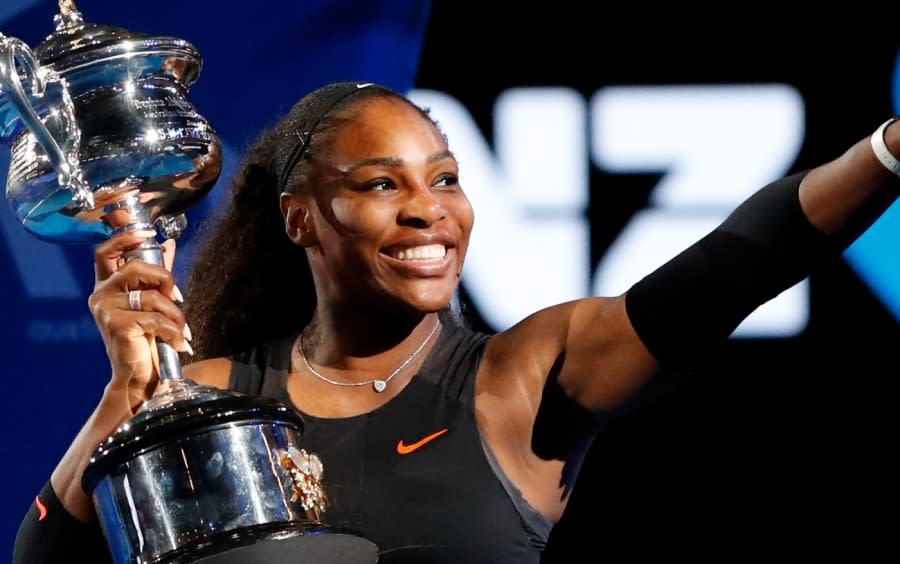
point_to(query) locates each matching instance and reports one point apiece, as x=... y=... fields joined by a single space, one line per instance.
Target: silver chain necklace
x=378 y=384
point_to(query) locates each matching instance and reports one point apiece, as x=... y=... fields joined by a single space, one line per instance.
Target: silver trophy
x=103 y=139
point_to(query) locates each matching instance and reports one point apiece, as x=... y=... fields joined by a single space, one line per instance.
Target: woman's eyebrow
x=394 y=162
x=445 y=154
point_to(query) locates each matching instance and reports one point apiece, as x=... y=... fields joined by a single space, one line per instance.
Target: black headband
x=341 y=93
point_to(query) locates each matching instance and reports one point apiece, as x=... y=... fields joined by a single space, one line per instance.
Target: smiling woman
x=394 y=227
x=329 y=283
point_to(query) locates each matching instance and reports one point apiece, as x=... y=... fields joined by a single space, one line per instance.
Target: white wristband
x=884 y=154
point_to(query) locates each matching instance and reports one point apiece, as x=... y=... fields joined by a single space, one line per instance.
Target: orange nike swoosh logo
x=42 y=509
x=406 y=449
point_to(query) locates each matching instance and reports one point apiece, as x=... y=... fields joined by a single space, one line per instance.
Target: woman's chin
x=427 y=303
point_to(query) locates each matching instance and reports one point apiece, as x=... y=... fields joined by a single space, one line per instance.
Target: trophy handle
x=68 y=172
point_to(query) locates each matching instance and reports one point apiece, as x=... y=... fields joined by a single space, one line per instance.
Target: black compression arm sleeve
x=698 y=298
x=49 y=533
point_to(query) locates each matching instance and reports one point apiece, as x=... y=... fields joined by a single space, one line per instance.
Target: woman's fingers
x=154 y=301
x=133 y=304
x=140 y=275
x=162 y=327
x=110 y=254
x=134 y=325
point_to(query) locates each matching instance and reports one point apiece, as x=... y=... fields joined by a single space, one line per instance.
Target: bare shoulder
x=588 y=345
x=544 y=334
x=210 y=372
x=531 y=347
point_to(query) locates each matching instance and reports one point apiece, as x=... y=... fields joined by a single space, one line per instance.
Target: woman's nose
x=422 y=208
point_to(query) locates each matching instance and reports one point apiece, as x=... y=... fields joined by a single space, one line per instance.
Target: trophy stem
x=131 y=214
x=169 y=364
x=173 y=386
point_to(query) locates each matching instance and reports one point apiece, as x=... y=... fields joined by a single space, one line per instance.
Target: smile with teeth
x=425 y=252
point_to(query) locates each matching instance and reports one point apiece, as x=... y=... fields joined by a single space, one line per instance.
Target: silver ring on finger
x=134 y=300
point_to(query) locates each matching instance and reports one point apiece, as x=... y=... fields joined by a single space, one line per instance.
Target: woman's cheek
x=347 y=215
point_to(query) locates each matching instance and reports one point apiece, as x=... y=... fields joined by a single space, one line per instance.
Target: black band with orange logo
x=49 y=533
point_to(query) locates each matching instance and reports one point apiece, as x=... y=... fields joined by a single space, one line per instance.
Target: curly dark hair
x=249 y=283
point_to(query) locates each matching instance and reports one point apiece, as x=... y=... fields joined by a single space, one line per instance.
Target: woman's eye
x=447 y=180
x=379 y=185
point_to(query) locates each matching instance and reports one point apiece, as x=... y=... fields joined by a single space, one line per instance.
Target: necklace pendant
x=379 y=385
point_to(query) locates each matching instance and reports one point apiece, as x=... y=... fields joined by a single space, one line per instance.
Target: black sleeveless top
x=444 y=500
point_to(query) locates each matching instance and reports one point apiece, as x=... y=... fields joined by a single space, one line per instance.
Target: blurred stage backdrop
x=589 y=161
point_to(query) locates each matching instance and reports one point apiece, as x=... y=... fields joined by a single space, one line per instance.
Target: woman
x=329 y=284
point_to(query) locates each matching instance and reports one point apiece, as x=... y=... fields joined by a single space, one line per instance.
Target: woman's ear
x=297 y=219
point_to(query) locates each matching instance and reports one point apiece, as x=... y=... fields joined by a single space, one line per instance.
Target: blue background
x=780 y=449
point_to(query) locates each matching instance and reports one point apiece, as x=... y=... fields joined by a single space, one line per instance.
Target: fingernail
x=187 y=333
x=147 y=233
x=177 y=293
x=187 y=347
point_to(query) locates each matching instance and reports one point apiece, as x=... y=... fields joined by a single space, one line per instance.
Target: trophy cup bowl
x=103 y=139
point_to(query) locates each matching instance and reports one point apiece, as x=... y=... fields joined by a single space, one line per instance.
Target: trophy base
x=304 y=543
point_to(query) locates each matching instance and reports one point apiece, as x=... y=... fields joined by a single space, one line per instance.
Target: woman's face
x=387 y=217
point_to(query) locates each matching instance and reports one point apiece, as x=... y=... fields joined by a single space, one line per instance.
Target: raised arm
x=545 y=383
x=603 y=351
